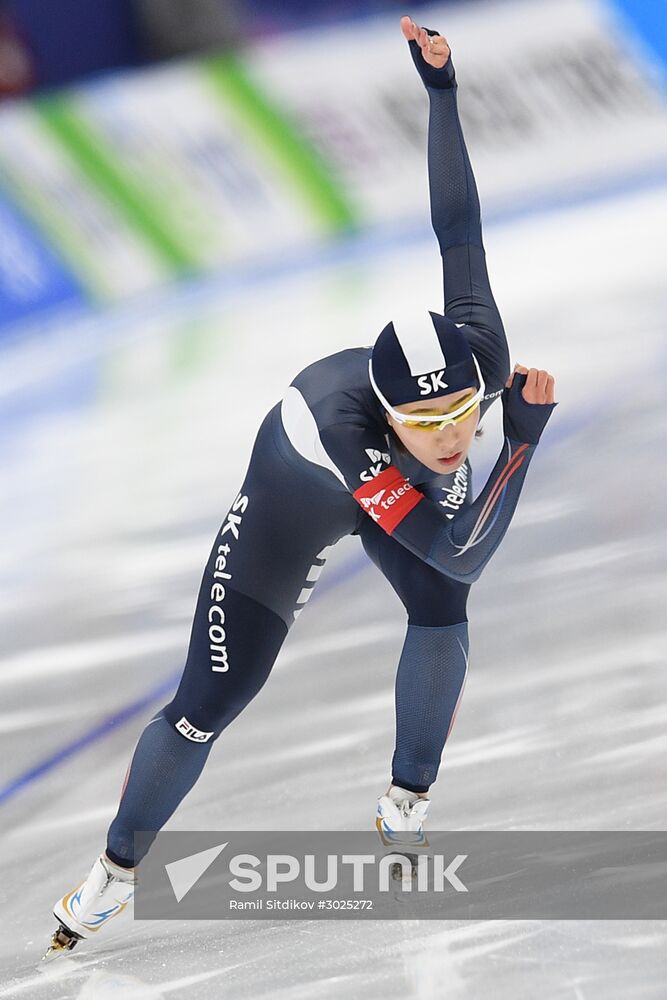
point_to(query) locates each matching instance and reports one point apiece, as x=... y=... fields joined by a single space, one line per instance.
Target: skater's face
x=439 y=450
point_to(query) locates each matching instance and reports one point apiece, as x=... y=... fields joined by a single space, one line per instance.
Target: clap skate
x=400 y=824
x=97 y=900
x=400 y=818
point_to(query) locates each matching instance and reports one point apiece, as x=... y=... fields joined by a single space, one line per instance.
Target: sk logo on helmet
x=431 y=383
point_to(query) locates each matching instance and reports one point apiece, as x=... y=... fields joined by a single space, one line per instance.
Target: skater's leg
x=260 y=571
x=262 y=568
x=433 y=664
x=163 y=770
x=174 y=746
x=429 y=685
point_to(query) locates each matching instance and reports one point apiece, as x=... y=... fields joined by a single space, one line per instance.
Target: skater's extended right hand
x=528 y=401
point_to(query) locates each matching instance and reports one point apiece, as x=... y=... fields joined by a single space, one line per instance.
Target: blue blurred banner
x=648 y=18
x=32 y=277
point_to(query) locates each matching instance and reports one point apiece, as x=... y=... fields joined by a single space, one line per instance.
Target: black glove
x=522 y=421
x=439 y=79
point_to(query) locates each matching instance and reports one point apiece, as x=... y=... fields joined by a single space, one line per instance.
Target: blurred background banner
x=119 y=186
x=33 y=277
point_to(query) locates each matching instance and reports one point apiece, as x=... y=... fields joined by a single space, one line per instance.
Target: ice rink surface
x=126 y=440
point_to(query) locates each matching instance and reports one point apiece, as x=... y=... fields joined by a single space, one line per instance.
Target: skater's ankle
x=117 y=864
x=421 y=795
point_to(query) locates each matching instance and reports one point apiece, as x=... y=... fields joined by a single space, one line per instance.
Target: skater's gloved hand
x=528 y=401
x=431 y=55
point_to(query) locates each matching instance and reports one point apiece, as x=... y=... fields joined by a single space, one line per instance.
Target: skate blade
x=396 y=869
x=63 y=941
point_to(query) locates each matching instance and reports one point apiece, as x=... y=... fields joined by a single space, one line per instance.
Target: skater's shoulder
x=346 y=362
x=345 y=372
x=334 y=389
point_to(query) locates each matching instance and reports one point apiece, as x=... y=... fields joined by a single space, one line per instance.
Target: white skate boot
x=102 y=896
x=400 y=818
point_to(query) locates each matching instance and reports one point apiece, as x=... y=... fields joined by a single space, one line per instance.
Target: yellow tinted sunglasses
x=464 y=409
x=432 y=420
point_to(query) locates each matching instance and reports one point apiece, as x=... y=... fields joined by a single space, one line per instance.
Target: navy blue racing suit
x=325 y=464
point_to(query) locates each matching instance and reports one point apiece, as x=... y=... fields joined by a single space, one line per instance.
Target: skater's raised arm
x=455 y=208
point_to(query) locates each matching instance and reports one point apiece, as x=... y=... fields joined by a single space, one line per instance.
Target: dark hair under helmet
x=420 y=357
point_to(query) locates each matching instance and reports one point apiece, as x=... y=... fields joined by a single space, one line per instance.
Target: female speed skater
x=374 y=442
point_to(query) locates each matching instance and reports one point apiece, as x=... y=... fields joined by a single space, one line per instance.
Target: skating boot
x=400 y=818
x=97 y=900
